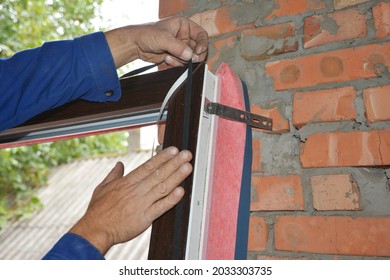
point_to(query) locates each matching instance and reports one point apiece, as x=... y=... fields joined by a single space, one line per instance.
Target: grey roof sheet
x=65 y=199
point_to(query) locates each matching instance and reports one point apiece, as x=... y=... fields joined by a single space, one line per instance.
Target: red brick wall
x=321 y=70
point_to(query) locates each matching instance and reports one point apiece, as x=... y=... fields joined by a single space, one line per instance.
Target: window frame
x=169 y=232
x=142 y=97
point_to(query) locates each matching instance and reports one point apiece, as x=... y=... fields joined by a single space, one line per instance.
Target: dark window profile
x=142 y=97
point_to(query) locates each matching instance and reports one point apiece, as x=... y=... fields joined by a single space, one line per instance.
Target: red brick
x=256 y=156
x=333 y=235
x=295 y=7
x=377 y=103
x=381 y=13
x=221 y=46
x=329 y=67
x=169 y=8
x=218 y=21
x=279 y=124
x=370 y=148
x=267 y=257
x=274 y=193
x=258 y=234
x=340 y=4
x=333 y=27
x=263 y=42
x=335 y=192
x=329 y=105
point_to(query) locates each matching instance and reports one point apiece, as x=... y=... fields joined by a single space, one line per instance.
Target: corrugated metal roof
x=65 y=199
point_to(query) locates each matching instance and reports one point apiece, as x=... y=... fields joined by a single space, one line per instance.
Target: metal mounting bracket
x=237 y=115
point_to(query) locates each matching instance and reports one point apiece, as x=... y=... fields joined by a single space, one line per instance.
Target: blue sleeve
x=73 y=247
x=36 y=80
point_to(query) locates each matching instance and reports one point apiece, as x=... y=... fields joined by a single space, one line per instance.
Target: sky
x=117 y=13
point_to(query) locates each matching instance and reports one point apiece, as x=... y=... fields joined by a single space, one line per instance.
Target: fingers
x=165 y=204
x=115 y=173
x=187 y=41
x=194 y=36
x=178 y=37
x=168 y=177
x=200 y=36
x=178 y=48
x=146 y=169
x=172 y=61
x=165 y=192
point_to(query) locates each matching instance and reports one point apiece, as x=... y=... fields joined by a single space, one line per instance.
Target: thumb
x=115 y=173
x=178 y=48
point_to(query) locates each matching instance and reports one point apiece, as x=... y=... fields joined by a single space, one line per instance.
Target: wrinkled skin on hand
x=122 y=207
x=174 y=41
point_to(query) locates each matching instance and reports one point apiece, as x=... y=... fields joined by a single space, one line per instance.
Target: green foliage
x=24 y=169
x=28 y=24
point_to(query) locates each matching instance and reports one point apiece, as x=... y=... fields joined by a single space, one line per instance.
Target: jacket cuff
x=102 y=67
x=73 y=247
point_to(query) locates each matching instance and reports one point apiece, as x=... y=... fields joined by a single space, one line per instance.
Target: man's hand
x=174 y=40
x=122 y=207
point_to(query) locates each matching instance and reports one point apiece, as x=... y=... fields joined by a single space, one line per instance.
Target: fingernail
x=195 y=58
x=201 y=50
x=178 y=191
x=173 y=151
x=187 y=54
x=184 y=155
x=186 y=167
x=168 y=59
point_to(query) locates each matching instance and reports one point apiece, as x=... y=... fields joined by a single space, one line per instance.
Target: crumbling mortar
x=333 y=46
x=371 y=30
x=359 y=126
x=269 y=219
x=314 y=128
x=197 y=6
x=360 y=109
x=387 y=174
x=307 y=191
x=329 y=24
x=297 y=18
x=299 y=137
x=379 y=125
x=381 y=71
x=251 y=11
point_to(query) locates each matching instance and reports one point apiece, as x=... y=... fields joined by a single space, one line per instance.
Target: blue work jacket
x=39 y=79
